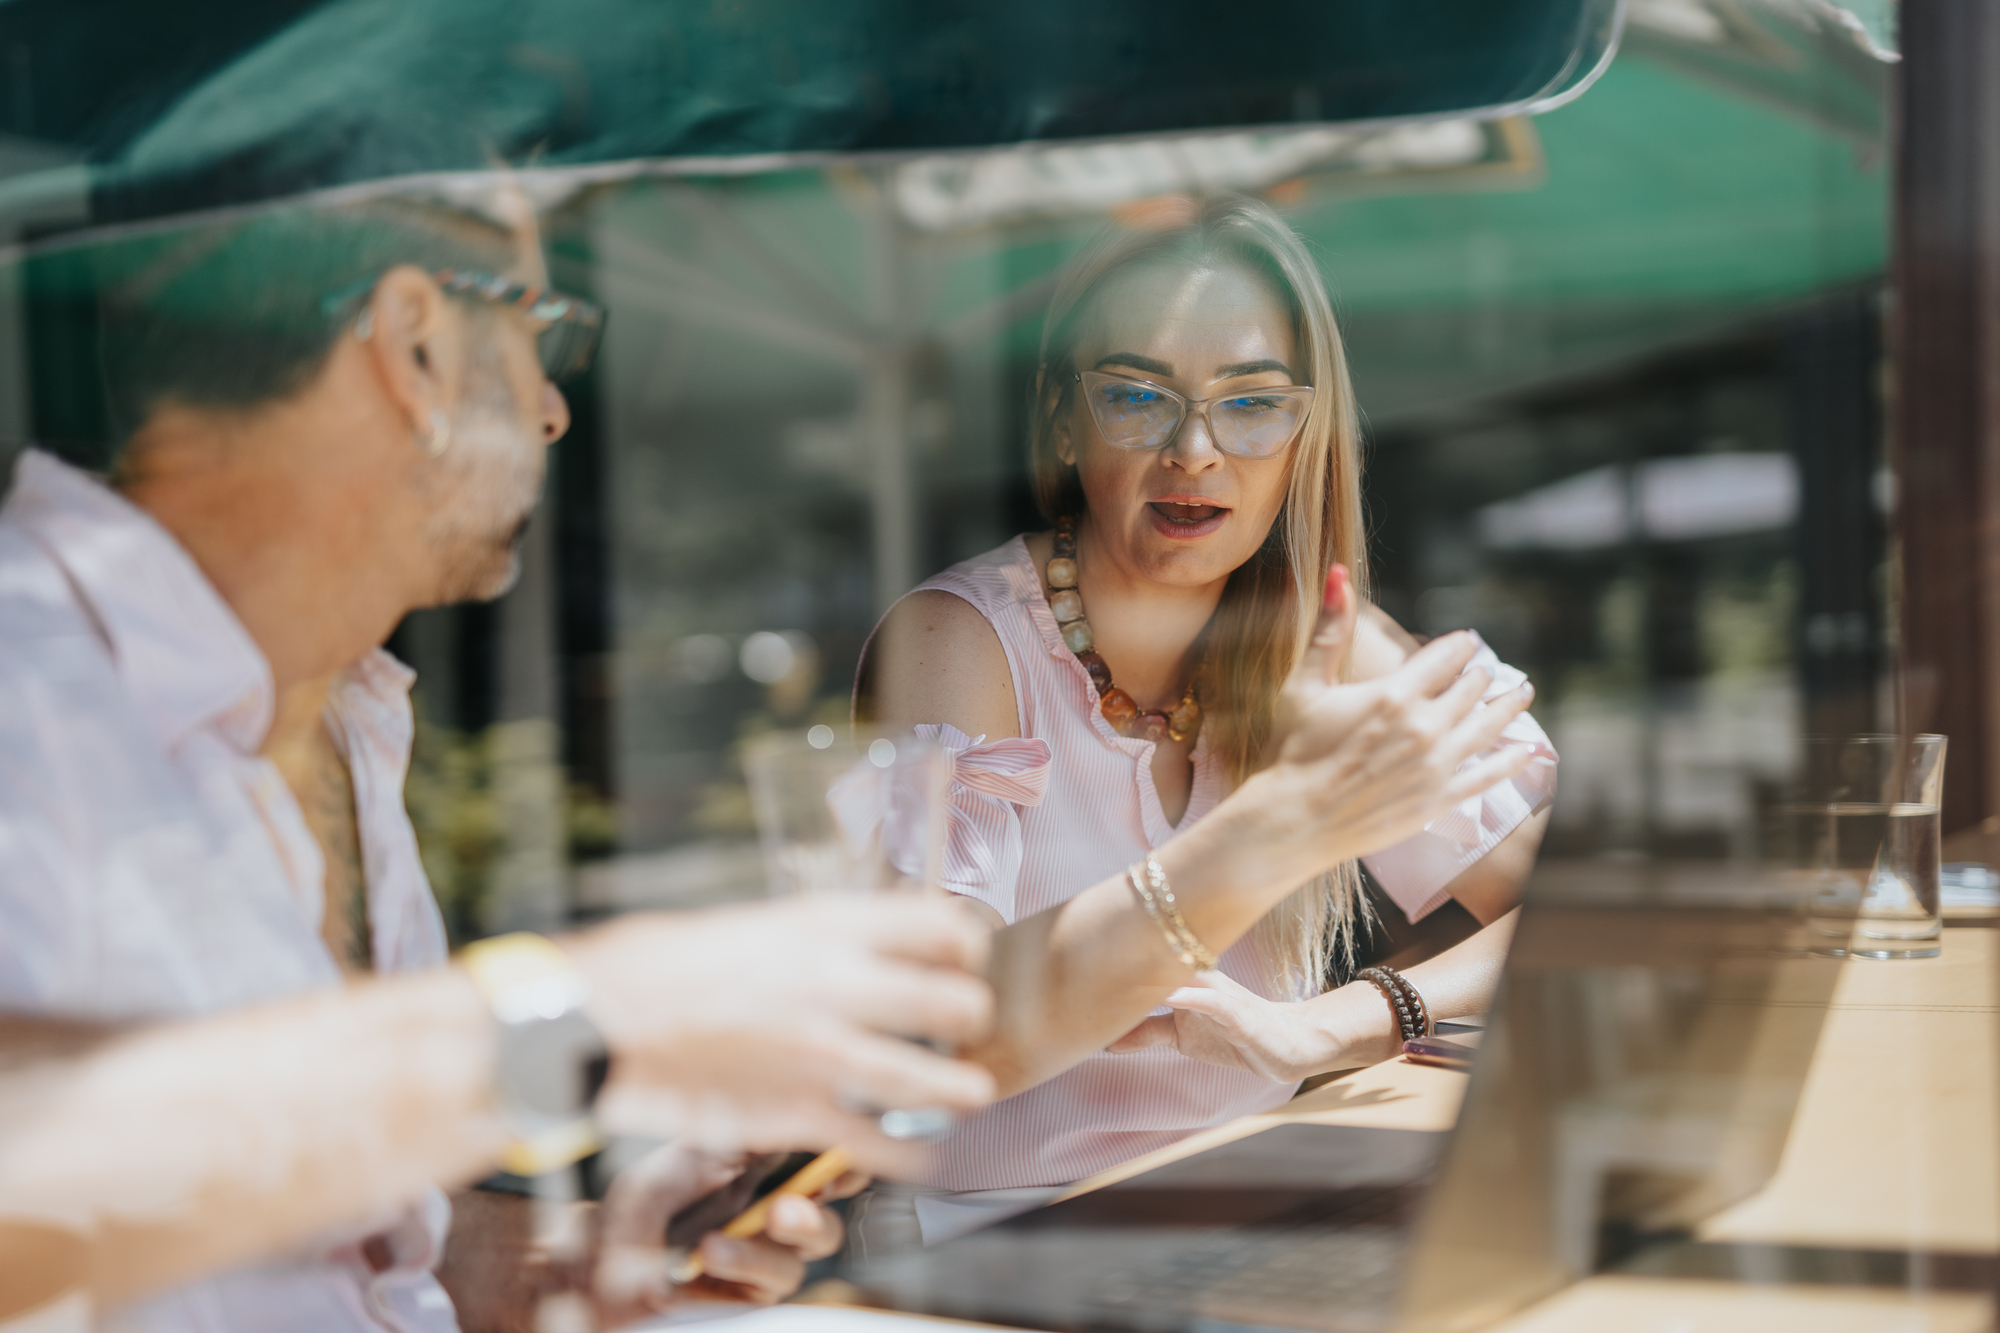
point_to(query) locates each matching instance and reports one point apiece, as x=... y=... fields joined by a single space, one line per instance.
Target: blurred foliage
x=591 y=822
x=723 y=809
x=455 y=809
x=1747 y=619
x=451 y=803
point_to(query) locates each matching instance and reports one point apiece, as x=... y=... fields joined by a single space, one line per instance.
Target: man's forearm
x=260 y=1129
x=161 y=1155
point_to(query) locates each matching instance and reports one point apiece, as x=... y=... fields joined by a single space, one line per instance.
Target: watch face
x=551 y=1066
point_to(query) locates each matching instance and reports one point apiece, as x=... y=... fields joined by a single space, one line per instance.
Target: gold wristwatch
x=551 y=1060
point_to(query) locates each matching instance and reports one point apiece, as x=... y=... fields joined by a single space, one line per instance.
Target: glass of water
x=843 y=814
x=1865 y=838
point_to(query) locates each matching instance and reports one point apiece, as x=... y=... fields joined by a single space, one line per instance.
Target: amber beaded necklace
x=1179 y=723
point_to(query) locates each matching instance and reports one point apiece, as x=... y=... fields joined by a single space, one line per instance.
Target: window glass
x=1619 y=369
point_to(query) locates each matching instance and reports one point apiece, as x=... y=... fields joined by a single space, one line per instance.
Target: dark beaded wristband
x=1416 y=1002
x=1413 y=1019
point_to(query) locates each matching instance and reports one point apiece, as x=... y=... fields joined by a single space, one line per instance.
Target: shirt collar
x=383 y=677
x=182 y=654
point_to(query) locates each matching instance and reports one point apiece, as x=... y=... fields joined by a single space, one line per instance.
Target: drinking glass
x=1865 y=838
x=841 y=814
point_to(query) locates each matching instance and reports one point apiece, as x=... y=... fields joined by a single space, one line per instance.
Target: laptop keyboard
x=1323 y=1267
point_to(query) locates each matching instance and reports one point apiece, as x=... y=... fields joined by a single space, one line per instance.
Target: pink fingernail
x=1336 y=588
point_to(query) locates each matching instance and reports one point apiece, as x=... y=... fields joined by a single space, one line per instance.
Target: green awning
x=165 y=111
x=1692 y=188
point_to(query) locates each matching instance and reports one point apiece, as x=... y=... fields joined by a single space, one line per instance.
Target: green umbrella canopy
x=1681 y=194
x=255 y=101
x=1661 y=206
x=1669 y=208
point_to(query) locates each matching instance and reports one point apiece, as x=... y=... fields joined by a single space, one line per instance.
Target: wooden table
x=1893 y=1148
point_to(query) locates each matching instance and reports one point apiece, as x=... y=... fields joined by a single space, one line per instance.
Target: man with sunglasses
x=331 y=417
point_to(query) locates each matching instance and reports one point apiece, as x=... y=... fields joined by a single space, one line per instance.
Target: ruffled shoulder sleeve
x=1415 y=871
x=990 y=783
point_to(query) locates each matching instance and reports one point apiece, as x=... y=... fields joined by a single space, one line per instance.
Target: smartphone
x=714 y=1211
x=1442 y=1052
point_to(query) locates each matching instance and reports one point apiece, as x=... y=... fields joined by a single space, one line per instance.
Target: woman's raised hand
x=1361 y=766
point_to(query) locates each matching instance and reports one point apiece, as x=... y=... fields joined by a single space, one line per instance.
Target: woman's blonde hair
x=1271 y=601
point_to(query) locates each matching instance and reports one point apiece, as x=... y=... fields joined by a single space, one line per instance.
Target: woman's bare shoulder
x=935 y=658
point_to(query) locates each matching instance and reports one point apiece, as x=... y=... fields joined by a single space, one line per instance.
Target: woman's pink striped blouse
x=1035 y=821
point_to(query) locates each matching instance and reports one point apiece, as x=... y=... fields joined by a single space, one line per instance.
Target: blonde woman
x=1186 y=669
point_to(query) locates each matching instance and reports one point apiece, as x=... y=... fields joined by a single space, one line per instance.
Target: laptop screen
x=1639 y=1074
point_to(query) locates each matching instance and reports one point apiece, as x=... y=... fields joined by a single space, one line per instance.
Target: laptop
x=1639 y=1072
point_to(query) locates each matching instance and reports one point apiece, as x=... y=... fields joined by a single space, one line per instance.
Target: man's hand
x=494 y=1268
x=498 y=1271
x=632 y=1264
x=785 y=1025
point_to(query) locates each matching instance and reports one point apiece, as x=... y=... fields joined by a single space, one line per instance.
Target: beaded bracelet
x=1413 y=1016
x=1149 y=881
x=1425 y=1027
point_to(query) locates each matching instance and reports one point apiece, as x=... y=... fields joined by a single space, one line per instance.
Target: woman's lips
x=1183 y=522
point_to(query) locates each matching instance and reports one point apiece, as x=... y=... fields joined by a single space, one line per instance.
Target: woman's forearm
x=1354 y=1026
x=1360 y=768
x=1079 y=975
x=1465 y=978
x=260 y=1130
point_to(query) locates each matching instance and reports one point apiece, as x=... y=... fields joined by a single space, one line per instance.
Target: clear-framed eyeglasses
x=571 y=326
x=1137 y=414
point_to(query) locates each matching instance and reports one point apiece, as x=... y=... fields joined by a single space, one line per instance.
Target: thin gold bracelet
x=1137 y=880
x=1158 y=895
x=1135 y=875
x=1203 y=955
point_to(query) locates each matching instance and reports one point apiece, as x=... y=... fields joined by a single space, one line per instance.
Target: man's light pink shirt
x=151 y=863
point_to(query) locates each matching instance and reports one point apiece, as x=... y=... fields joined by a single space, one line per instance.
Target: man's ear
x=417 y=344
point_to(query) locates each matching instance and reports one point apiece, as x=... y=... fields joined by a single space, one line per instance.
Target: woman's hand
x=1223 y=1023
x=1361 y=766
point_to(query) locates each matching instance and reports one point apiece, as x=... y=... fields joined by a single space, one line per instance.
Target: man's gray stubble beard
x=491 y=485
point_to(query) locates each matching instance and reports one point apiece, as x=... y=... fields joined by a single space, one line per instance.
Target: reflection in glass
x=1629 y=433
